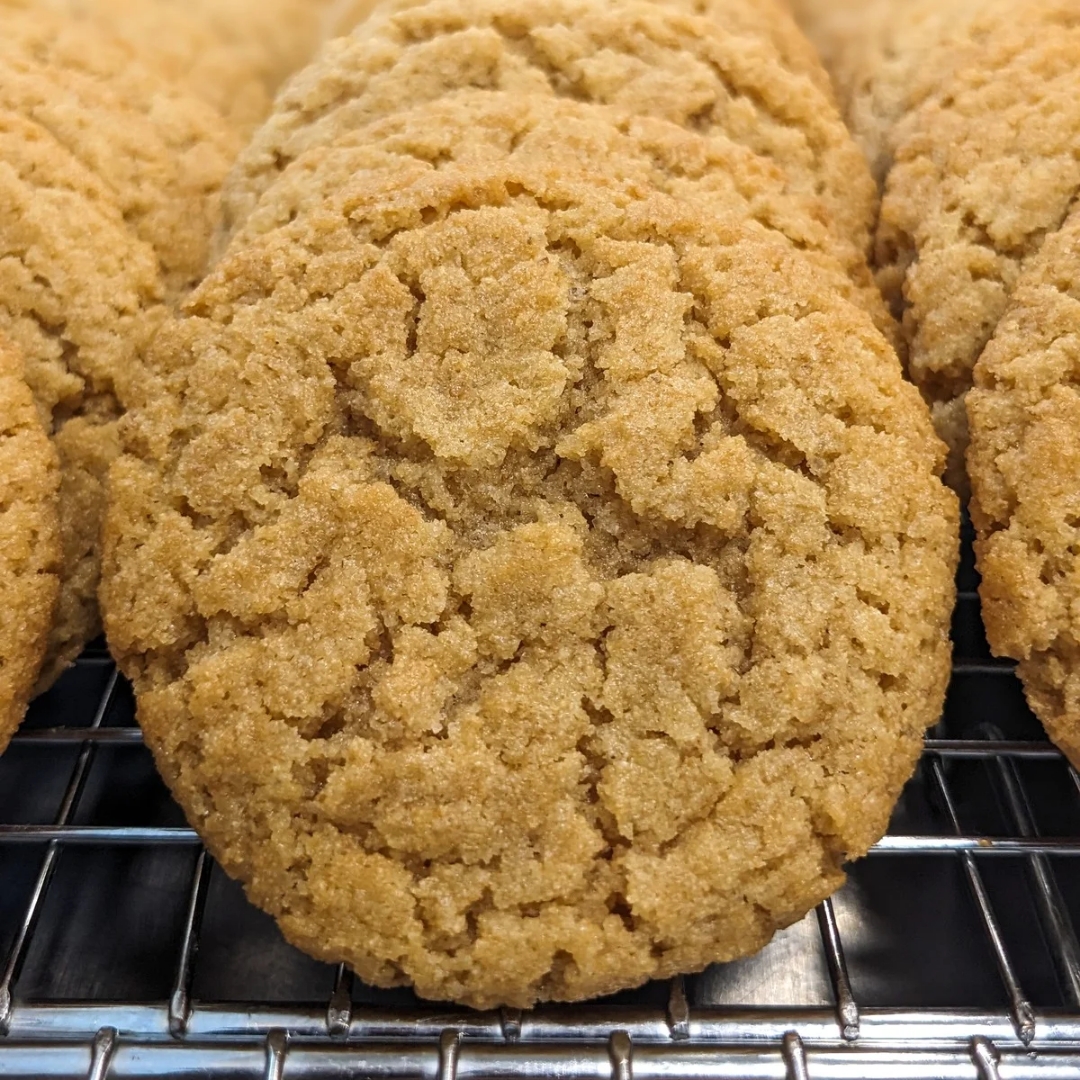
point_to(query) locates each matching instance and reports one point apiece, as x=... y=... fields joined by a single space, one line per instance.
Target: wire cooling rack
x=951 y=951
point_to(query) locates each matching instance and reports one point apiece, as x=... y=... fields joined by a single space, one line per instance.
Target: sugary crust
x=502 y=621
x=985 y=169
x=74 y=287
x=697 y=71
x=230 y=54
x=766 y=19
x=161 y=153
x=887 y=56
x=29 y=541
x=1024 y=463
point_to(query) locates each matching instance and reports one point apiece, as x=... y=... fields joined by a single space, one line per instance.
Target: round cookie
x=639 y=56
x=29 y=541
x=501 y=617
x=75 y=287
x=766 y=19
x=161 y=153
x=231 y=54
x=984 y=168
x=1024 y=463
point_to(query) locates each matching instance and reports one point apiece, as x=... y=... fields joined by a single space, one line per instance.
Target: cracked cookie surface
x=29 y=541
x=230 y=54
x=75 y=286
x=980 y=123
x=161 y=153
x=767 y=19
x=1024 y=463
x=646 y=58
x=501 y=618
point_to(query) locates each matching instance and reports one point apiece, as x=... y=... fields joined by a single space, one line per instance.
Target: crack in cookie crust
x=646 y=58
x=504 y=622
x=1025 y=429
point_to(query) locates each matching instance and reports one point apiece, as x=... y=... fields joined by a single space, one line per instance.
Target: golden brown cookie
x=534 y=581
x=642 y=57
x=75 y=284
x=887 y=56
x=1024 y=463
x=231 y=54
x=29 y=541
x=767 y=19
x=985 y=168
x=161 y=153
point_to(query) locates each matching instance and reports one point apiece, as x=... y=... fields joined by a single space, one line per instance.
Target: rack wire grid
x=950 y=952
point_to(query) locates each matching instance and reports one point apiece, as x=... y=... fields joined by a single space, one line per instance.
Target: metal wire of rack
x=951 y=952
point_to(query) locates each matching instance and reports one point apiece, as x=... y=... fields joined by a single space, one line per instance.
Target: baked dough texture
x=29 y=541
x=766 y=19
x=1024 y=461
x=887 y=56
x=968 y=111
x=75 y=287
x=535 y=580
x=161 y=154
x=698 y=71
x=985 y=169
x=230 y=54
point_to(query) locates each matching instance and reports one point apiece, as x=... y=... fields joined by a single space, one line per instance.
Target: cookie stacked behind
x=230 y=54
x=29 y=541
x=109 y=183
x=973 y=109
x=976 y=245
x=1024 y=461
x=762 y=19
x=645 y=58
x=529 y=559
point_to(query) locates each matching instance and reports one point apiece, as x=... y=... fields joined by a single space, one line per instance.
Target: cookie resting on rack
x=75 y=288
x=533 y=582
x=29 y=541
x=1024 y=463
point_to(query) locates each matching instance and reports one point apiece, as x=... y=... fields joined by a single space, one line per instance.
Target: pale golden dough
x=1024 y=463
x=29 y=541
x=231 y=54
x=643 y=57
x=502 y=619
x=760 y=18
x=75 y=287
x=161 y=154
x=984 y=169
x=887 y=56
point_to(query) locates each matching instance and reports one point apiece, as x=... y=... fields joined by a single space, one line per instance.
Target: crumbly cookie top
x=643 y=57
x=505 y=620
x=161 y=153
x=1024 y=461
x=29 y=541
x=230 y=54
x=985 y=168
x=74 y=285
x=766 y=19
x=887 y=56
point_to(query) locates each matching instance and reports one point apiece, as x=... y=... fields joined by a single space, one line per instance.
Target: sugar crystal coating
x=534 y=580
